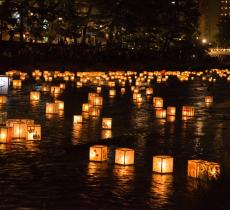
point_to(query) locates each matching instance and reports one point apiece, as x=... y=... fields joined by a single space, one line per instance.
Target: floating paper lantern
x=112 y=93
x=171 y=111
x=160 y=113
x=34 y=96
x=202 y=169
x=139 y=100
x=85 y=107
x=106 y=123
x=97 y=101
x=158 y=102
x=17 y=83
x=98 y=153
x=62 y=86
x=45 y=88
x=124 y=156
x=98 y=90
x=52 y=108
x=19 y=130
x=208 y=99
x=188 y=111
x=122 y=91
x=77 y=119
x=3 y=99
x=162 y=164
x=94 y=112
x=149 y=91
x=5 y=135
x=60 y=104
x=34 y=132
x=55 y=90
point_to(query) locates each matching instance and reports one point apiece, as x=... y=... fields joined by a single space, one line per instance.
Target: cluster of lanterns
x=163 y=164
x=139 y=83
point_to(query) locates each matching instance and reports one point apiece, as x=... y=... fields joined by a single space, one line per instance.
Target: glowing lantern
x=85 y=107
x=171 y=111
x=122 y=91
x=124 y=156
x=34 y=96
x=3 y=99
x=17 y=83
x=94 y=112
x=149 y=91
x=202 y=169
x=55 y=89
x=208 y=99
x=97 y=101
x=138 y=100
x=19 y=130
x=60 y=104
x=106 y=123
x=162 y=164
x=45 y=88
x=5 y=135
x=98 y=153
x=161 y=113
x=98 y=89
x=106 y=134
x=112 y=93
x=77 y=119
x=188 y=111
x=158 y=102
x=34 y=132
x=62 y=86
x=52 y=108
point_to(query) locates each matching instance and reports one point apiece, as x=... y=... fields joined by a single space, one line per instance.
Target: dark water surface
x=45 y=175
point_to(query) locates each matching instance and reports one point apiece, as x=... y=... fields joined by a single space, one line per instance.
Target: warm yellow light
x=158 y=102
x=77 y=119
x=34 y=96
x=124 y=156
x=106 y=123
x=171 y=111
x=162 y=164
x=98 y=153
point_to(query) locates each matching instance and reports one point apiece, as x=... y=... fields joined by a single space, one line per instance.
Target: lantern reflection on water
x=34 y=96
x=3 y=99
x=158 y=102
x=106 y=134
x=98 y=153
x=3 y=118
x=208 y=99
x=60 y=104
x=5 y=135
x=94 y=112
x=163 y=164
x=106 y=123
x=34 y=132
x=124 y=156
x=85 y=107
x=122 y=91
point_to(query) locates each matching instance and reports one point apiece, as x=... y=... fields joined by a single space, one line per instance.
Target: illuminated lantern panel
x=112 y=93
x=106 y=123
x=149 y=91
x=98 y=153
x=77 y=119
x=19 y=130
x=97 y=101
x=5 y=135
x=162 y=164
x=85 y=107
x=122 y=90
x=34 y=132
x=124 y=156
x=62 y=86
x=3 y=118
x=55 y=90
x=34 y=96
x=60 y=104
x=202 y=169
x=188 y=111
x=171 y=111
x=98 y=89
x=158 y=102
x=138 y=100
x=161 y=113
x=208 y=99
x=52 y=108
x=3 y=99
x=45 y=88
x=94 y=112
x=91 y=96
x=17 y=83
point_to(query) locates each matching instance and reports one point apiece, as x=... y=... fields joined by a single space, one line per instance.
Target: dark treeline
x=120 y=29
